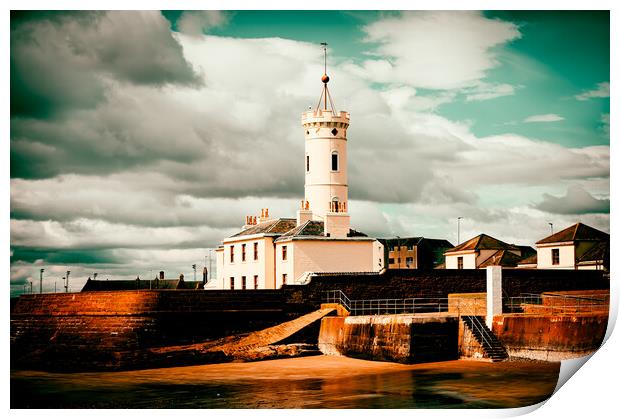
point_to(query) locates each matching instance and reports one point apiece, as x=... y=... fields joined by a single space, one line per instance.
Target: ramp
x=272 y=334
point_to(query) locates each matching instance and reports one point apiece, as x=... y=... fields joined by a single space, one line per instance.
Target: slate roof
x=531 y=260
x=483 y=242
x=273 y=227
x=502 y=258
x=576 y=232
x=313 y=228
x=132 y=284
x=599 y=251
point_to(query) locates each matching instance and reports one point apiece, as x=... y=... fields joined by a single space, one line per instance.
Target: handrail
x=481 y=329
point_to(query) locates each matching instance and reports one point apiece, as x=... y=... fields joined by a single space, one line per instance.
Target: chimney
x=181 y=277
x=161 y=274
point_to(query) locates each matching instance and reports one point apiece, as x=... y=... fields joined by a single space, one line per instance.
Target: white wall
x=324 y=256
x=567 y=257
x=469 y=260
x=263 y=267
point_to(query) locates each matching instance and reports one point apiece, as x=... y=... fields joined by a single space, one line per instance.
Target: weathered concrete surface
x=550 y=338
x=468 y=304
x=400 y=338
x=469 y=347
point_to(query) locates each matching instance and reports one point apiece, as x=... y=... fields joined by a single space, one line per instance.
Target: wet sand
x=315 y=382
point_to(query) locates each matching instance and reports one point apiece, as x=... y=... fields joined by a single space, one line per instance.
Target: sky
x=139 y=140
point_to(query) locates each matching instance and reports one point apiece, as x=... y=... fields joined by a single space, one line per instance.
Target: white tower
x=325 y=164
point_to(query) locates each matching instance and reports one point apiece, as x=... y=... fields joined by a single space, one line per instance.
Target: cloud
x=61 y=62
x=602 y=90
x=131 y=175
x=576 y=201
x=197 y=22
x=435 y=50
x=548 y=117
x=487 y=91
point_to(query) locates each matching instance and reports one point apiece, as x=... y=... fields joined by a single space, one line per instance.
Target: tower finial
x=325 y=78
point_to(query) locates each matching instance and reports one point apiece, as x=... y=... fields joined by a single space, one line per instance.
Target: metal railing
x=556 y=303
x=392 y=305
x=546 y=303
x=482 y=331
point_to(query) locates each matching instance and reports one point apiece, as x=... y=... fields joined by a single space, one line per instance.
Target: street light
x=95 y=275
x=194 y=267
x=551 y=225
x=41 y=281
x=398 y=245
x=458 y=230
x=67 y=281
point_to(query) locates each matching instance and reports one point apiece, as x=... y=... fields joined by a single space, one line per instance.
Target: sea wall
x=100 y=330
x=550 y=338
x=398 y=338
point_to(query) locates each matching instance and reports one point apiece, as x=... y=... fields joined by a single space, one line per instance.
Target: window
x=256 y=251
x=335 y=161
x=283 y=279
x=459 y=262
x=555 y=256
x=232 y=282
x=243 y=283
x=255 y=282
x=409 y=262
x=392 y=247
x=410 y=247
x=243 y=252
x=307 y=163
x=284 y=253
x=391 y=261
x=232 y=254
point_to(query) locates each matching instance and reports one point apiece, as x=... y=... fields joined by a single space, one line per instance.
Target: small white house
x=482 y=251
x=576 y=247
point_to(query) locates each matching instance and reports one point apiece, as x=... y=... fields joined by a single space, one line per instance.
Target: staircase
x=492 y=347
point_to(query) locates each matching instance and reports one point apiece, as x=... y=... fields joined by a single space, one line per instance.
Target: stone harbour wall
x=397 y=338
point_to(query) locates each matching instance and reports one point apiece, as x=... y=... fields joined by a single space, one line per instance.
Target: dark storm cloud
x=55 y=256
x=58 y=61
x=576 y=201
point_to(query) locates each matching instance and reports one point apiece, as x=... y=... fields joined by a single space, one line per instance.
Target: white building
x=576 y=247
x=269 y=252
x=482 y=251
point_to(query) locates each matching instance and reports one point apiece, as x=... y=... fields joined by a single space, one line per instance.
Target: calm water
x=314 y=382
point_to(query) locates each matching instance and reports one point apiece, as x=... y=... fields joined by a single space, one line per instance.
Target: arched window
x=334 y=161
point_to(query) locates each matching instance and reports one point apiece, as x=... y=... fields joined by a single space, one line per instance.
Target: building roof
x=576 y=232
x=271 y=227
x=313 y=228
x=483 y=242
x=598 y=252
x=132 y=284
x=530 y=260
x=502 y=258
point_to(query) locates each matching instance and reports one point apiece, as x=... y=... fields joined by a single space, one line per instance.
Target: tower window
x=335 y=161
x=307 y=163
x=334 y=131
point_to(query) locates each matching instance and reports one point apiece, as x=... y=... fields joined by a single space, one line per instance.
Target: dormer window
x=334 y=161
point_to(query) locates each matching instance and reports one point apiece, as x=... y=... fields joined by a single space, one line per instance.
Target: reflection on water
x=437 y=387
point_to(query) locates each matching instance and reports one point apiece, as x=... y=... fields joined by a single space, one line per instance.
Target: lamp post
x=194 y=268
x=95 y=275
x=67 y=281
x=398 y=245
x=551 y=225
x=41 y=281
x=458 y=230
